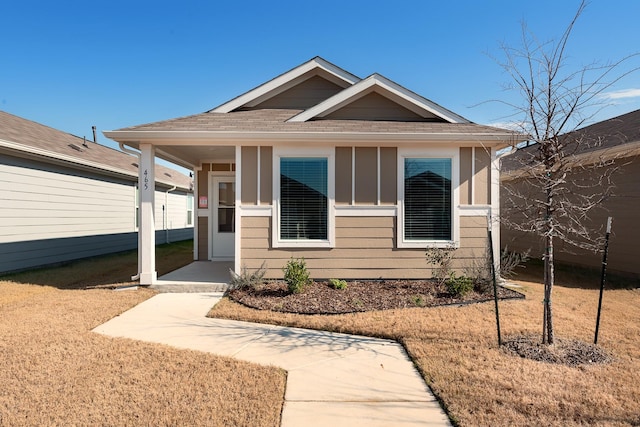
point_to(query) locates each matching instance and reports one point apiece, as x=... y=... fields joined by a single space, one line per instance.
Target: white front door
x=223 y=224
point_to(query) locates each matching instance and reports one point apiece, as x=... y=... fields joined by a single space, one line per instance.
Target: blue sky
x=114 y=63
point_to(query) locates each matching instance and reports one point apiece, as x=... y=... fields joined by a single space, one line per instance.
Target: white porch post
x=147 y=229
x=238 y=214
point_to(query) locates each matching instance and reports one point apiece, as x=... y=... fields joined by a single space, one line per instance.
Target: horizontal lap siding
x=46 y=202
x=51 y=214
x=174 y=215
x=365 y=248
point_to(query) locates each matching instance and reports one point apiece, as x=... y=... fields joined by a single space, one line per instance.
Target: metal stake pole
x=493 y=274
x=603 y=276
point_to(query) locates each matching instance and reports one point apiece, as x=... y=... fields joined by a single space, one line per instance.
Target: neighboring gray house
x=615 y=141
x=64 y=198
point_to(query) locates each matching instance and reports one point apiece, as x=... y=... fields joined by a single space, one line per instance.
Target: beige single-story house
x=615 y=144
x=63 y=197
x=357 y=176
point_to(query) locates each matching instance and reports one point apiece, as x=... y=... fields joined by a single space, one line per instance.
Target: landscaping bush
x=458 y=286
x=338 y=284
x=247 y=279
x=296 y=275
x=440 y=259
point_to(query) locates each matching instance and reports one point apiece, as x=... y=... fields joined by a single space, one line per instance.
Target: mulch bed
x=359 y=296
x=563 y=351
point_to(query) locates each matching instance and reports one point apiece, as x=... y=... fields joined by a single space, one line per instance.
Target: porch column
x=147 y=228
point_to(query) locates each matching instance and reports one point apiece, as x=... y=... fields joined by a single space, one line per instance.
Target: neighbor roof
x=618 y=137
x=27 y=138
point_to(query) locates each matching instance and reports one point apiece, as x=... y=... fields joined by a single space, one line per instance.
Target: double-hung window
x=427 y=186
x=303 y=191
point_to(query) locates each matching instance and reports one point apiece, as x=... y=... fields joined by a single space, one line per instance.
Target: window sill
x=320 y=244
x=424 y=244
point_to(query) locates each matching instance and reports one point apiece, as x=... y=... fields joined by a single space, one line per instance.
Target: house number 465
x=146 y=179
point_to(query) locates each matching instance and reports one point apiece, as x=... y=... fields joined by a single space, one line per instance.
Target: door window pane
x=226 y=207
x=226 y=193
x=226 y=220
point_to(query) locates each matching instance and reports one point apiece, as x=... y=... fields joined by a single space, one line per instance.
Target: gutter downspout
x=137 y=154
x=166 y=213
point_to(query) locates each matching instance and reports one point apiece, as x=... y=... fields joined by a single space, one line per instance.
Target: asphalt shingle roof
x=619 y=136
x=275 y=120
x=58 y=144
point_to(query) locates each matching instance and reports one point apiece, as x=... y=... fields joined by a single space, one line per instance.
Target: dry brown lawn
x=55 y=371
x=456 y=350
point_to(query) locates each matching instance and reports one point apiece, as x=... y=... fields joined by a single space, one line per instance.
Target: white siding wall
x=50 y=214
x=44 y=204
x=175 y=210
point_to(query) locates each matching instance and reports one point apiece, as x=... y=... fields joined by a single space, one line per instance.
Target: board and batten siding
x=365 y=249
x=51 y=214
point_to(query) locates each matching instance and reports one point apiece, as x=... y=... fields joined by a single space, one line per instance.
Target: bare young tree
x=553 y=189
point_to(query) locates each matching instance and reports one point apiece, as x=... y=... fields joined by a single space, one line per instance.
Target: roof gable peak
x=379 y=84
x=315 y=66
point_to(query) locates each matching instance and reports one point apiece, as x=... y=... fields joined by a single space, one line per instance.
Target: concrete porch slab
x=199 y=276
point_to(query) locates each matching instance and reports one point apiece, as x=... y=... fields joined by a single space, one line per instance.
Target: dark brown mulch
x=563 y=351
x=359 y=296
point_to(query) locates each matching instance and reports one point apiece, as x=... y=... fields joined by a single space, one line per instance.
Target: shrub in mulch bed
x=359 y=296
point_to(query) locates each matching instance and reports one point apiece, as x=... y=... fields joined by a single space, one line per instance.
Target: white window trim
x=190 y=212
x=321 y=152
x=430 y=153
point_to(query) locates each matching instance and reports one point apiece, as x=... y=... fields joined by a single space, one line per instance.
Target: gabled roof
x=24 y=137
x=387 y=88
x=314 y=102
x=314 y=67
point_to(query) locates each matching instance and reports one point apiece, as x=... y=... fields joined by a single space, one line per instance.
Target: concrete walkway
x=333 y=379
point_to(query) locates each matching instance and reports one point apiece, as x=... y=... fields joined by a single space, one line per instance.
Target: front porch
x=199 y=276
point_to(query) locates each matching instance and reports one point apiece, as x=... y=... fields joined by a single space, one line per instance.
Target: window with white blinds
x=304 y=204
x=427 y=199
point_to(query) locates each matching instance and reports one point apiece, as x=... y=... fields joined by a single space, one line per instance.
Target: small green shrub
x=458 y=286
x=418 y=300
x=440 y=258
x=338 y=284
x=246 y=278
x=296 y=275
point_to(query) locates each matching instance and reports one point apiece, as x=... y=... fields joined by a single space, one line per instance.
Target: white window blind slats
x=427 y=199
x=303 y=198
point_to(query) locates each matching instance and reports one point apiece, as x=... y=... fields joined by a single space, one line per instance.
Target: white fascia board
x=175 y=138
x=284 y=80
x=363 y=87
